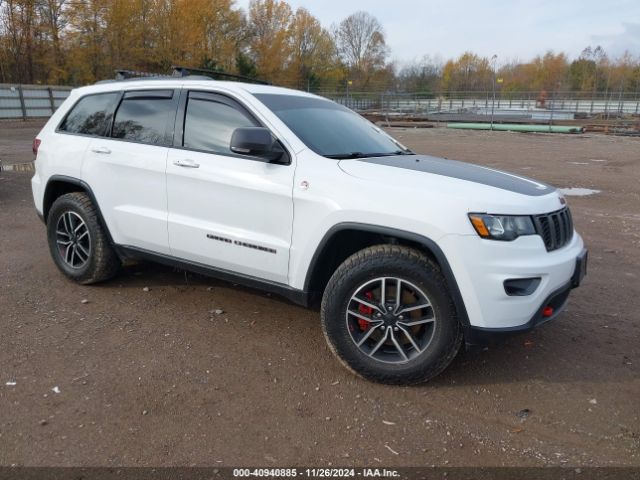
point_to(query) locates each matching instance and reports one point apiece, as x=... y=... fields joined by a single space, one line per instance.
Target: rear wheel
x=77 y=242
x=388 y=316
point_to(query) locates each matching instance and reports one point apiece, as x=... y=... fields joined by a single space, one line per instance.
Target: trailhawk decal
x=241 y=244
x=464 y=171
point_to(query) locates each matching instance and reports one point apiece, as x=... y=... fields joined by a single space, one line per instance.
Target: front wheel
x=388 y=316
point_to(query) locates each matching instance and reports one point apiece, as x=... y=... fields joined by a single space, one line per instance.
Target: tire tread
x=105 y=262
x=389 y=255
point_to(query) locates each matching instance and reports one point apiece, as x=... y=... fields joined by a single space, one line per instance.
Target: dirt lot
x=154 y=378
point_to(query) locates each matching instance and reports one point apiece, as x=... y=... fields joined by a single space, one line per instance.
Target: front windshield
x=330 y=129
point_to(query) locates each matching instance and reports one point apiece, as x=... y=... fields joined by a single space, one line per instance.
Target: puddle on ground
x=578 y=191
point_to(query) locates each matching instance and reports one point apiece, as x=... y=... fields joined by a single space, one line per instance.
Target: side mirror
x=257 y=142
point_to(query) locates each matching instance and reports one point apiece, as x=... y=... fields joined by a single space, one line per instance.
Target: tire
x=94 y=259
x=435 y=342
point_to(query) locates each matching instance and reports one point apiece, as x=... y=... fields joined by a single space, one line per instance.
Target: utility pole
x=493 y=101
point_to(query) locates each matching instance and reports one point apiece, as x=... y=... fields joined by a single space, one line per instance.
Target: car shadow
x=554 y=352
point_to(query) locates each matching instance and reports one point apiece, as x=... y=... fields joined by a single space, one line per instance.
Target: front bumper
x=481 y=268
x=556 y=301
x=477 y=336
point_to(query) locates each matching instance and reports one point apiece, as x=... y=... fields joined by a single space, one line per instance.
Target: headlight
x=501 y=227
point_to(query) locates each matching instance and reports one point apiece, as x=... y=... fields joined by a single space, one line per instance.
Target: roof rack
x=181 y=72
x=127 y=74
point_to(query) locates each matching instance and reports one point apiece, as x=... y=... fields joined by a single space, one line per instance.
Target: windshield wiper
x=404 y=152
x=343 y=156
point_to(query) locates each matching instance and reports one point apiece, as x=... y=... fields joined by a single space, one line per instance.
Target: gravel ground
x=142 y=371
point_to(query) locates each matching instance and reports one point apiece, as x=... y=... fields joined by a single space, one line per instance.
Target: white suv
x=277 y=189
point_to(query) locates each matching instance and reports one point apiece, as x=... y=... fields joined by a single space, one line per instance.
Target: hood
x=459 y=170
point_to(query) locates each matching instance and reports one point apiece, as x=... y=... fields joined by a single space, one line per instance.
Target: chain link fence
x=24 y=102
x=563 y=104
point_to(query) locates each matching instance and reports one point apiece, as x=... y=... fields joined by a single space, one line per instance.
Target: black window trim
x=219 y=97
x=107 y=133
x=161 y=94
x=148 y=93
x=174 y=134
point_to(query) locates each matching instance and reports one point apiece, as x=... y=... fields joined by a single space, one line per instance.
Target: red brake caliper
x=364 y=310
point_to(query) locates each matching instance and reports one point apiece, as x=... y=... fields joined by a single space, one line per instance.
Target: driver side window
x=209 y=124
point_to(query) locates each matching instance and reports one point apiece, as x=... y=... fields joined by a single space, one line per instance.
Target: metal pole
x=553 y=101
x=553 y=104
x=493 y=101
x=348 y=94
x=22 y=105
x=51 y=101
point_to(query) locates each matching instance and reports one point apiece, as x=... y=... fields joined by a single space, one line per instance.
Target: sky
x=510 y=29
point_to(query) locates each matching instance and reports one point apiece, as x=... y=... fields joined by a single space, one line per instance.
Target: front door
x=226 y=211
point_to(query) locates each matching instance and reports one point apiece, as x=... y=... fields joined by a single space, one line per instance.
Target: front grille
x=555 y=228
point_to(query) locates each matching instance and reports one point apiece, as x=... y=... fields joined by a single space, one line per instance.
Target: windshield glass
x=330 y=129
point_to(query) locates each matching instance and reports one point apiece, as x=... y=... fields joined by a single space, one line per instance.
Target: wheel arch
x=344 y=239
x=59 y=185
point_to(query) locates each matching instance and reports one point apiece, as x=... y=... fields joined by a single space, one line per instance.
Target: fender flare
x=426 y=242
x=87 y=189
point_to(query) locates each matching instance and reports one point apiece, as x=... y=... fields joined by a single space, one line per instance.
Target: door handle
x=186 y=163
x=102 y=150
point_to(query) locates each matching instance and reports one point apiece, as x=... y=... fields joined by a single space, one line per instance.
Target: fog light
x=547 y=311
x=520 y=287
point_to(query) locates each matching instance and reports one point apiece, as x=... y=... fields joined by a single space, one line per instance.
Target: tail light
x=35 y=146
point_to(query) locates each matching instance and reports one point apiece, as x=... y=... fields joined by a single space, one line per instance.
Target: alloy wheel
x=390 y=320
x=73 y=240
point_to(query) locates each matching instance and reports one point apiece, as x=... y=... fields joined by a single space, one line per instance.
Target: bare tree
x=421 y=75
x=361 y=45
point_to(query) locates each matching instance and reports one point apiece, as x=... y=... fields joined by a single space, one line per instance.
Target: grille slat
x=558 y=221
x=555 y=228
x=552 y=235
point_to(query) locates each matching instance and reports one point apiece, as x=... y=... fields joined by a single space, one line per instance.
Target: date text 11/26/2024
x=315 y=473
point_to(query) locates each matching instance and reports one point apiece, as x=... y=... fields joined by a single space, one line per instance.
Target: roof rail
x=182 y=72
x=127 y=74
x=179 y=71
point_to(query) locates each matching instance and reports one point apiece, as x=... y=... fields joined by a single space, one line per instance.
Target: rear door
x=226 y=211
x=127 y=171
x=90 y=117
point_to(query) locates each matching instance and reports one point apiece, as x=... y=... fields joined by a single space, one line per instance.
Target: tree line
x=75 y=42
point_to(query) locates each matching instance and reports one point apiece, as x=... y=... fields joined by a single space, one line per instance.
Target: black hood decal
x=464 y=171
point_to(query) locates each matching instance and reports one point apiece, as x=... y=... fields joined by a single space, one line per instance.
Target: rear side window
x=91 y=115
x=145 y=117
x=209 y=124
